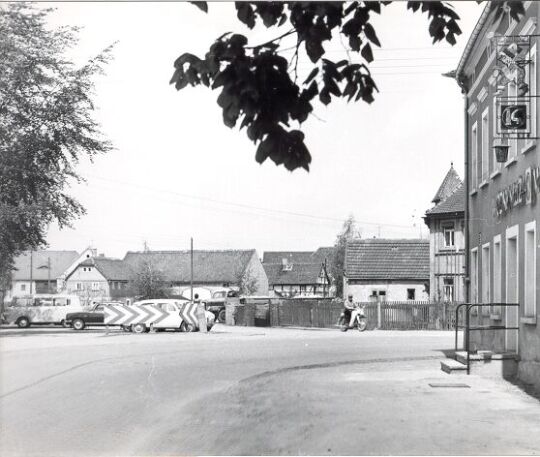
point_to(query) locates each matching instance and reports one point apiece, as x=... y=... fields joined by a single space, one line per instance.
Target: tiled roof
x=111 y=269
x=291 y=256
x=59 y=262
x=298 y=256
x=208 y=266
x=450 y=183
x=454 y=203
x=384 y=259
x=324 y=253
x=301 y=273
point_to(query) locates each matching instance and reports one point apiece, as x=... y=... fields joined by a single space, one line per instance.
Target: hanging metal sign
x=511 y=62
x=514 y=102
x=513 y=116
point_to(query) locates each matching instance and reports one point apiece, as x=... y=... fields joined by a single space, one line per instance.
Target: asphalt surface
x=251 y=391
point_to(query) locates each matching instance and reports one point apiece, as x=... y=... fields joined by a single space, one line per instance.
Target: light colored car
x=173 y=319
x=41 y=309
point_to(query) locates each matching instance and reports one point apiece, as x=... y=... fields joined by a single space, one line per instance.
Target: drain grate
x=449 y=384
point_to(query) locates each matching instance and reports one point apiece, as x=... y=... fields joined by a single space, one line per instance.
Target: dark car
x=80 y=320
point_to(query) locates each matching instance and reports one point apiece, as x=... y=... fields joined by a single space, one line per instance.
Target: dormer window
x=286 y=266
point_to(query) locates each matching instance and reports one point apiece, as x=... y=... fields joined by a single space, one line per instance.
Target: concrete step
x=481 y=356
x=452 y=366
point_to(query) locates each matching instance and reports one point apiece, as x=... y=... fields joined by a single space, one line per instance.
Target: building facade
x=299 y=273
x=36 y=272
x=387 y=270
x=98 y=278
x=446 y=222
x=498 y=74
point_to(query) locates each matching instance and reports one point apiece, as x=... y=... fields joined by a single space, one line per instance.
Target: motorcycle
x=359 y=322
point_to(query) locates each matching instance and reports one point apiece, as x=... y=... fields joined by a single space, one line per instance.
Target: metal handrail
x=468 y=328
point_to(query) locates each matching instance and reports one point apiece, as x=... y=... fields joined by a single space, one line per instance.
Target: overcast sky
x=177 y=172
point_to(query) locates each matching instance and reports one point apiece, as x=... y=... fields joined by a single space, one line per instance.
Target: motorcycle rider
x=353 y=307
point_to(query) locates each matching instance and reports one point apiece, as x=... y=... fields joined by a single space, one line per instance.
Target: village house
x=446 y=222
x=98 y=278
x=498 y=74
x=212 y=270
x=36 y=272
x=299 y=273
x=387 y=270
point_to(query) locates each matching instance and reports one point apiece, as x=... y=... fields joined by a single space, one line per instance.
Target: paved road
x=250 y=391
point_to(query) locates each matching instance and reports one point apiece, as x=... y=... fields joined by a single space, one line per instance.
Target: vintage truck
x=216 y=305
x=41 y=309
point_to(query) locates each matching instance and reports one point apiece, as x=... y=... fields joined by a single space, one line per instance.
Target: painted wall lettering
x=523 y=191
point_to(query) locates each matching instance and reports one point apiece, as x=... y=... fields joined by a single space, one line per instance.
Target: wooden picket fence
x=324 y=313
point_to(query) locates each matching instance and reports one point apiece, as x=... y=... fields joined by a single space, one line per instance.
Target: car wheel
x=138 y=328
x=23 y=322
x=185 y=327
x=78 y=324
x=64 y=324
x=221 y=316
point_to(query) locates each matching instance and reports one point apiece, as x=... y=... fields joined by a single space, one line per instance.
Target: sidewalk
x=373 y=408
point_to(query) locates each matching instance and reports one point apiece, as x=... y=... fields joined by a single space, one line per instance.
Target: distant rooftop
x=387 y=259
x=58 y=261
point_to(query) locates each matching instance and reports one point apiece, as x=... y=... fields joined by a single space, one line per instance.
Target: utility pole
x=191 y=279
x=48 y=274
x=31 y=272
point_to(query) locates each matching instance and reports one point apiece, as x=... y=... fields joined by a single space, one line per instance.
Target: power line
x=241 y=205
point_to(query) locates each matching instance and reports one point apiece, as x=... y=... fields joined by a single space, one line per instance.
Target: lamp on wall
x=501 y=151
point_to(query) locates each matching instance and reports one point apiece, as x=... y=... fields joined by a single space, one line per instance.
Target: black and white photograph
x=269 y=228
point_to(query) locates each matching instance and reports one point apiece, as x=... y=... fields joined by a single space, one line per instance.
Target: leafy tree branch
x=256 y=88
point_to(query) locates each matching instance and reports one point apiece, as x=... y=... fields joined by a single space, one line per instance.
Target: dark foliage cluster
x=259 y=85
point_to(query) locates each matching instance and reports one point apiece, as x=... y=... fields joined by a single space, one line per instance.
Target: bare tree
x=148 y=279
x=247 y=282
x=337 y=263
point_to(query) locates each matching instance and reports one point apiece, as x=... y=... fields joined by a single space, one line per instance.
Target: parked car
x=41 y=309
x=172 y=321
x=92 y=317
x=216 y=305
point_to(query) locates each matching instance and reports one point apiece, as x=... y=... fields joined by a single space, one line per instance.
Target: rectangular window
x=485 y=145
x=530 y=78
x=449 y=236
x=486 y=277
x=474 y=157
x=496 y=165
x=411 y=294
x=474 y=275
x=448 y=289
x=23 y=287
x=512 y=287
x=497 y=286
x=513 y=142
x=95 y=286
x=530 y=270
x=79 y=286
